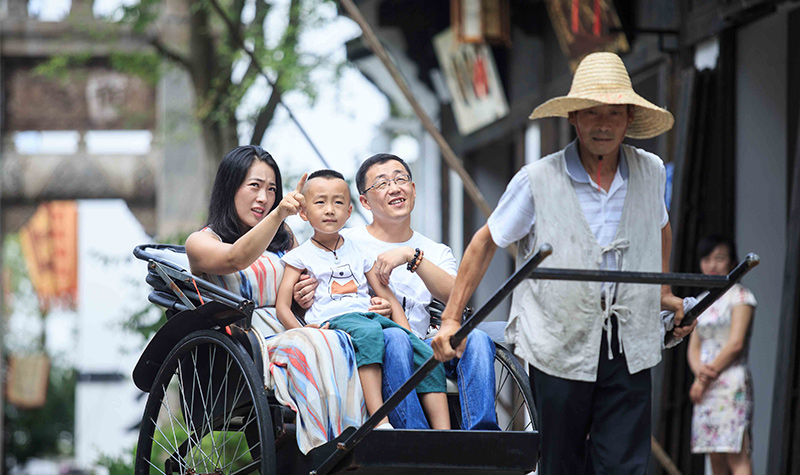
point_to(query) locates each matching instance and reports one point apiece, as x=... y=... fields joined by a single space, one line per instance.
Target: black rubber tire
x=522 y=400
x=229 y=424
x=511 y=417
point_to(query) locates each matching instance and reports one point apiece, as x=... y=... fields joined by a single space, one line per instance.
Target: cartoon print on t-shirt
x=343 y=282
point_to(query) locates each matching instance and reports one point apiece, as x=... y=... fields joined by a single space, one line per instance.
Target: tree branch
x=268 y=112
x=236 y=13
x=171 y=55
x=262 y=9
x=266 y=115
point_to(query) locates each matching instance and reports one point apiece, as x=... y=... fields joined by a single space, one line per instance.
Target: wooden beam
x=448 y=155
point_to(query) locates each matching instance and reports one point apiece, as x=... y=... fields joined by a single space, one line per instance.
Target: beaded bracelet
x=417 y=261
x=413 y=262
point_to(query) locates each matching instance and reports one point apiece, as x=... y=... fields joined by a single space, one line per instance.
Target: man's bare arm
x=438 y=282
x=668 y=300
x=473 y=267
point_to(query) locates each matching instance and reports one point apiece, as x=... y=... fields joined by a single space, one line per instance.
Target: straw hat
x=600 y=79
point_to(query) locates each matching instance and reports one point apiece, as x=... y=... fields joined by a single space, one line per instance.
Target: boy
x=342 y=298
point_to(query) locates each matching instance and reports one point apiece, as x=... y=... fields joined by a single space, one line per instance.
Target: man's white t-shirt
x=341 y=284
x=408 y=287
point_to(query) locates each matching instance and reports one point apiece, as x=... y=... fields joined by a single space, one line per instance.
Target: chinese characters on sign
x=471 y=75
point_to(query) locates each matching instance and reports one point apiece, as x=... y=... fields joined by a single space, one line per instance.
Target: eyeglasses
x=399 y=180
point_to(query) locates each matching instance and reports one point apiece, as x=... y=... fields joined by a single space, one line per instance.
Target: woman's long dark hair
x=222 y=216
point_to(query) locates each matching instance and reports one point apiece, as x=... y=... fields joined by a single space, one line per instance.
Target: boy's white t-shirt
x=408 y=287
x=342 y=286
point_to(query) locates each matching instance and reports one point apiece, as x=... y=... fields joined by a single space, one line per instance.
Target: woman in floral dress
x=722 y=390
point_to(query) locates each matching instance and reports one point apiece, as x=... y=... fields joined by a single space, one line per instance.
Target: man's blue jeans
x=474 y=373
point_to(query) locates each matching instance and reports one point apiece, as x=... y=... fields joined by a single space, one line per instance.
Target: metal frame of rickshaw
x=363 y=450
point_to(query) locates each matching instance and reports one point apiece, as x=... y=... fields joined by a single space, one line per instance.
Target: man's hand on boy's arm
x=380 y=306
x=283 y=302
x=384 y=292
x=304 y=289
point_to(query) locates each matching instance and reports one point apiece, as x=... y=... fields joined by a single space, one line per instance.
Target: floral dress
x=725 y=414
x=311 y=371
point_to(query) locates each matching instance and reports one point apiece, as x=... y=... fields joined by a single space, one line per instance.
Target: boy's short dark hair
x=377 y=159
x=326 y=173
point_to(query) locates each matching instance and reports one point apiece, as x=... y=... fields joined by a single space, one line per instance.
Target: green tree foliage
x=218 y=33
x=46 y=431
x=122 y=465
x=226 y=47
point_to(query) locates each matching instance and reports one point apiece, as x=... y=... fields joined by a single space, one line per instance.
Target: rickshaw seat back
x=173 y=260
x=214 y=307
x=175 y=255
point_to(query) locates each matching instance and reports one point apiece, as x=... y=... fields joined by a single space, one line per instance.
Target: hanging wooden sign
x=473 y=81
x=481 y=21
x=93 y=98
x=586 y=26
x=27 y=380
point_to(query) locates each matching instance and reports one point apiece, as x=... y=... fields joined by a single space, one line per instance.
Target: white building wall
x=761 y=197
x=111 y=288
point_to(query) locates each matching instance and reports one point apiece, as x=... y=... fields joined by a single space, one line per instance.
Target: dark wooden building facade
x=729 y=71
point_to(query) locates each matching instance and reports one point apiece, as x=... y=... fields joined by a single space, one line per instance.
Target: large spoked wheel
x=513 y=402
x=207 y=413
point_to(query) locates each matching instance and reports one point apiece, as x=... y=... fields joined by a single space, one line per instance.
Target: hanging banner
x=27 y=381
x=471 y=74
x=586 y=26
x=49 y=242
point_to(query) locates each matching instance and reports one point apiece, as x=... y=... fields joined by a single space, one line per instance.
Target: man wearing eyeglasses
x=417 y=269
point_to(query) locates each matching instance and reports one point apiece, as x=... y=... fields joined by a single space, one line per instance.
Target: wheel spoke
x=243 y=432
x=156 y=467
x=172 y=419
x=168 y=452
x=192 y=433
x=187 y=414
x=223 y=392
x=240 y=388
x=217 y=424
x=249 y=468
x=208 y=406
x=505 y=374
x=205 y=410
x=513 y=398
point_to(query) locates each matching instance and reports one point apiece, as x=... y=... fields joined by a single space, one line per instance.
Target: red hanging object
x=575 y=16
x=596 y=18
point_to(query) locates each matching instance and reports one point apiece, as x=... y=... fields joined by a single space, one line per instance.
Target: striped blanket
x=314 y=373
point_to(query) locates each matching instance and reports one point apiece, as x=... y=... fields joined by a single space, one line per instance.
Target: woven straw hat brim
x=601 y=79
x=649 y=120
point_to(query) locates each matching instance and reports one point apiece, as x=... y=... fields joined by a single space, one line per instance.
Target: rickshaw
x=208 y=411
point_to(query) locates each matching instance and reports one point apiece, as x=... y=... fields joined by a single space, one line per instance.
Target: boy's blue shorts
x=366 y=333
